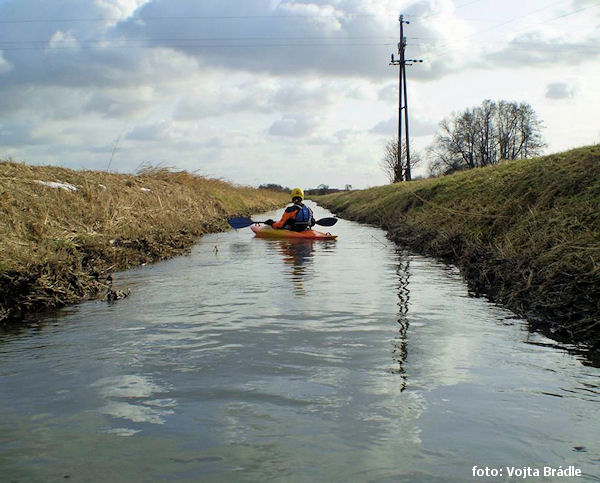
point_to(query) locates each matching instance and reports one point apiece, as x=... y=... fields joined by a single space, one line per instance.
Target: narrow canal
x=259 y=360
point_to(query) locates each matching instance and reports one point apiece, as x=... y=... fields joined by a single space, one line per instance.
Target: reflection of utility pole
x=401 y=340
x=402 y=101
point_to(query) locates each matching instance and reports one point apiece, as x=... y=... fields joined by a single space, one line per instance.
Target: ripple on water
x=267 y=361
x=130 y=397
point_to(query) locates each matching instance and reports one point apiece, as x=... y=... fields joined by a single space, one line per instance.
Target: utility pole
x=402 y=62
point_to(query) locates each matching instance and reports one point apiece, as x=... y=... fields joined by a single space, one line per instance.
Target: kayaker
x=296 y=217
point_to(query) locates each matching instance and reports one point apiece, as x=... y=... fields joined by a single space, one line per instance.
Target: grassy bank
x=62 y=231
x=526 y=233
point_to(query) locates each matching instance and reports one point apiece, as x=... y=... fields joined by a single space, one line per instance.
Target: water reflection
x=33 y=324
x=130 y=397
x=400 y=342
x=297 y=256
x=221 y=368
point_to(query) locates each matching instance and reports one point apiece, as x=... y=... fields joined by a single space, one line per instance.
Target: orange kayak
x=265 y=231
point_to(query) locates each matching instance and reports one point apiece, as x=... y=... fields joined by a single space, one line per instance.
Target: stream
x=253 y=360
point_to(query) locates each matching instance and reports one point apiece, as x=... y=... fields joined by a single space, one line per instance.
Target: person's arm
x=287 y=214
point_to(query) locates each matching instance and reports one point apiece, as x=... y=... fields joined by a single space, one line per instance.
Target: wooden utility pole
x=402 y=62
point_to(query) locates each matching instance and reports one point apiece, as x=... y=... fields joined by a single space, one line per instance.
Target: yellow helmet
x=297 y=193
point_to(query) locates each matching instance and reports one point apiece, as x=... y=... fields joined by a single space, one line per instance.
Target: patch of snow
x=55 y=184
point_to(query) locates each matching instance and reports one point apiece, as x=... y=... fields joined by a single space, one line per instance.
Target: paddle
x=242 y=222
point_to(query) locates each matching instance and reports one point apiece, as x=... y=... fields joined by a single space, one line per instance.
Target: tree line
x=321 y=189
x=476 y=137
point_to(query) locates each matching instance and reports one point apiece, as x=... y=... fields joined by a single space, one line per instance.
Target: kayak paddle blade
x=240 y=222
x=327 y=221
x=243 y=222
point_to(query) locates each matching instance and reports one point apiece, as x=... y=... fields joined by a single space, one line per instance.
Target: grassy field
x=63 y=232
x=525 y=233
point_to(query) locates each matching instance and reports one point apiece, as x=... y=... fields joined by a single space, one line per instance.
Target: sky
x=291 y=92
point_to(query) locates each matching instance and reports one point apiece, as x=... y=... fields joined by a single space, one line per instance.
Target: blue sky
x=289 y=92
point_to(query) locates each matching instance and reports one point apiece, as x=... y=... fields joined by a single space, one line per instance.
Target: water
x=258 y=360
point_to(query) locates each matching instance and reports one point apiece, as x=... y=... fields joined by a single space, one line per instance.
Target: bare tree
x=484 y=135
x=394 y=171
x=507 y=128
x=485 y=126
x=529 y=133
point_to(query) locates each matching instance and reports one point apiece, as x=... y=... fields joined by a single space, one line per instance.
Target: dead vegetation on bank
x=525 y=233
x=63 y=232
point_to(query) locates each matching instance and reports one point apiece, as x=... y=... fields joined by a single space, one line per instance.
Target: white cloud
x=293 y=37
x=62 y=40
x=247 y=89
x=536 y=49
x=5 y=66
x=417 y=127
x=159 y=131
x=20 y=134
x=122 y=103
x=293 y=126
x=118 y=10
x=559 y=90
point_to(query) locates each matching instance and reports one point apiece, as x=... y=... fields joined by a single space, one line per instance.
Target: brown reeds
x=63 y=231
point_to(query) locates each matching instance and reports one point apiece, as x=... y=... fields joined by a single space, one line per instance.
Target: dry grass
x=58 y=244
x=526 y=233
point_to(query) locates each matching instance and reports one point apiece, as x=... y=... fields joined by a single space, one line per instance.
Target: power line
x=433 y=14
x=433 y=53
x=576 y=48
x=187 y=17
x=563 y=15
x=500 y=25
x=207 y=17
x=191 y=39
x=592 y=46
x=52 y=43
x=196 y=46
x=287 y=41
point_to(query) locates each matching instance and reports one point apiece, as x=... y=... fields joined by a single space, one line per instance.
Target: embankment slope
x=526 y=233
x=63 y=231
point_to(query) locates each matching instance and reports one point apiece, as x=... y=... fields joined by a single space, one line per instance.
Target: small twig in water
x=384 y=244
